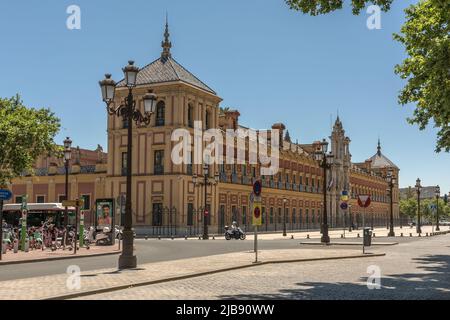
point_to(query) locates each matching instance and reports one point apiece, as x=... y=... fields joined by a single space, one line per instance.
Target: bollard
x=292 y=237
x=199 y=238
x=420 y=234
x=159 y=237
x=16 y=245
x=214 y=238
x=410 y=234
x=146 y=237
x=172 y=238
x=359 y=236
x=401 y=234
x=27 y=245
x=342 y=236
x=426 y=234
x=185 y=237
x=374 y=235
x=307 y=236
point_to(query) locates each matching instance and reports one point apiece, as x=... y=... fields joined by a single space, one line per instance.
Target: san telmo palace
x=164 y=196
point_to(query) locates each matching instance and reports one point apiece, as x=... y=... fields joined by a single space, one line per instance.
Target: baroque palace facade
x=165 y=200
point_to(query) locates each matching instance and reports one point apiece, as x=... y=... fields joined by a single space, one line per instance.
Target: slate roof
x=167 y=69
x=379 y=160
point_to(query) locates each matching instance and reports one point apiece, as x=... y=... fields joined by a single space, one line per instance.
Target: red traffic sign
x=257 y=212
x=364 y=200
x=257 y=188
x=206 y=212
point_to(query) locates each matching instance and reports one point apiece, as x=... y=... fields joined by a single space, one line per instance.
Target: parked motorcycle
x=237 y=233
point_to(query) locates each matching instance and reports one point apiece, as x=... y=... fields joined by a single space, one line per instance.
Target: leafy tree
x=224 y=110
x=25 y=134
x=425 y=36
x=408 y=207
x=317 y=7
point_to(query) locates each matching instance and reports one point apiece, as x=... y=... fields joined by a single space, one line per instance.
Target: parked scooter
x=104 y=238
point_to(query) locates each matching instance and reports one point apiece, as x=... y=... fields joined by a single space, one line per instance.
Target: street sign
x=257 y=188
x=5 y=194
x=73 y=203
x=364 y=200
x=344 y=205
x=206 y=212
x=257 y=214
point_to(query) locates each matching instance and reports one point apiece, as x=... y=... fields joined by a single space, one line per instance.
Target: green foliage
x=408 y=207
x=315 y=8
x=25 y=134
x=425 y=36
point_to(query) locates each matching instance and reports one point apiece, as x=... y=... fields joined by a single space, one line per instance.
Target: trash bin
x=367 y=237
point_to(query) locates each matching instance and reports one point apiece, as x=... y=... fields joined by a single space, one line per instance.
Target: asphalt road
x=147 y=251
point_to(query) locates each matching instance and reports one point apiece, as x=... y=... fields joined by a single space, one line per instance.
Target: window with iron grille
x=159 y=162
x=160 y=114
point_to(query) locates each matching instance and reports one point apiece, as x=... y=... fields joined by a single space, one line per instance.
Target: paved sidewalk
x=336 y=233
x=48 y=255
x=59 y=286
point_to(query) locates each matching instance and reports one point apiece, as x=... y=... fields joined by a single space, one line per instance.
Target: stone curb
x=5 y=263
x=195 y=275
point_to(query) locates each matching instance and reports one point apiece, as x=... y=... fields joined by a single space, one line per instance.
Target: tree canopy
x=25 y=134
x=318 y=7
x=425 y=36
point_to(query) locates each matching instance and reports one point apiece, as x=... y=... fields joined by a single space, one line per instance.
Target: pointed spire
x=166 y=44
x=379 y=147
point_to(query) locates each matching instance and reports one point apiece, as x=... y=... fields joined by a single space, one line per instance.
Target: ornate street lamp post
x=418 y=189
x=391 y=183
x=284 y=217
x=67 y=157
x=438 y=196
x=325 y=161
x=206 y=182
x=129 y=112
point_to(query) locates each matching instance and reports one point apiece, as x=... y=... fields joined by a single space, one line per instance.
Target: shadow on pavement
x=434 y=284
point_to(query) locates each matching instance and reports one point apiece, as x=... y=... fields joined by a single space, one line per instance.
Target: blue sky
x=273 y=64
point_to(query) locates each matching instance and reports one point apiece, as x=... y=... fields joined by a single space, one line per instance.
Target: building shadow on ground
x=433 y=283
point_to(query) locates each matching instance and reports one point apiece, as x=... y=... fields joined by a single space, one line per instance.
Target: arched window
x=160 y=113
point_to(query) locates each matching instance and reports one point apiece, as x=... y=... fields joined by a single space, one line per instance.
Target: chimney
x=233 y=117
x=281 y=127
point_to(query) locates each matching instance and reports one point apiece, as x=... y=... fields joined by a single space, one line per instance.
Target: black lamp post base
x=205 y=237
x=438 y=229
x=127 y=259
x=127 y=262
x=391 y=234
x=325 y=239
